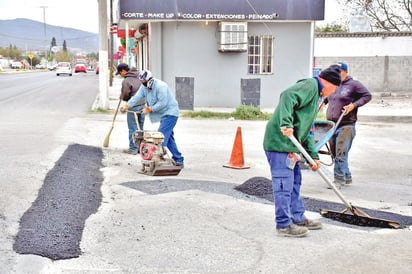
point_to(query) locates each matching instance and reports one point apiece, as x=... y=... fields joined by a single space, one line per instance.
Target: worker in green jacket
x=295 y=114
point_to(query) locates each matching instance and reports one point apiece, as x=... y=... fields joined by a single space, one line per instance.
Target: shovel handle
x=321 y=173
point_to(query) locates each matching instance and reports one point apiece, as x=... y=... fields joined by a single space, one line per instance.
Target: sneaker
x=182 y=165
x=130 y=151
x=348 y=181
x=293 y=231
x=310 y=224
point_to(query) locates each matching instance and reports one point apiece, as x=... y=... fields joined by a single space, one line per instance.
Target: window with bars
x=260 y=54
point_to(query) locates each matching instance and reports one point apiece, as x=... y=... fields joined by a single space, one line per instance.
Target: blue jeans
x=340 y=144
x=286 y=184
x=167 y=124
x=131 y=124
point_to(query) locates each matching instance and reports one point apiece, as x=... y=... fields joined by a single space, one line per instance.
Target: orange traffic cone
x=236 y=159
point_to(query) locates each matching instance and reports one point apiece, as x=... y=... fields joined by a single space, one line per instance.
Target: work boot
x=310 y=224
x=339 y=183
x=130 y=151
x=292 y=231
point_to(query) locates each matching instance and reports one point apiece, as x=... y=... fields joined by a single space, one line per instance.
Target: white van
x=16 y=65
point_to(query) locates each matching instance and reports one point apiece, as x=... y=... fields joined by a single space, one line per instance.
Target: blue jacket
x=160 y=100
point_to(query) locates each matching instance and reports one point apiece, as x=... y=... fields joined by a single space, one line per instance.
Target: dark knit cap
x=122 y=66
x=331 y=74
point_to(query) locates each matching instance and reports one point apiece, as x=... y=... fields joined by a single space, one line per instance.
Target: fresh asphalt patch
x=257 y=189
x=52 y=227
x=262 y=187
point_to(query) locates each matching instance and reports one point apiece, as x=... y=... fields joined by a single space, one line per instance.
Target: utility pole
x=111 y=44
x=103 y=101
x=45 y=33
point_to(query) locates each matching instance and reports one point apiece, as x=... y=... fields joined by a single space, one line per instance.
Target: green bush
x=247 y=112
x=243 y=112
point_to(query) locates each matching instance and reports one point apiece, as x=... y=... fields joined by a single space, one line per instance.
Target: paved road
x=197 y=223
x=37 y=111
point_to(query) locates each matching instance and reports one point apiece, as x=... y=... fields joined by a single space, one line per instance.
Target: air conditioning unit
x=233 y=36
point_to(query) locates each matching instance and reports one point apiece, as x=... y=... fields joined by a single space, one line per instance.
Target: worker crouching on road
x=161 y=106
x=295 y=114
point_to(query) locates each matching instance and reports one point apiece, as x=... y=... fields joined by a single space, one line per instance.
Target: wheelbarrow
x=358 y=217
x=324 y=130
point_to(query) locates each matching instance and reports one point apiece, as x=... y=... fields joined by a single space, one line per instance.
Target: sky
x=83 y=14
x=78 y=14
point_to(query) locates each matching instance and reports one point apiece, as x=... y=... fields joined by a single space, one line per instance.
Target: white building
x=216 y=53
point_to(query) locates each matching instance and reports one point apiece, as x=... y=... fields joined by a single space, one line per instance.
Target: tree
x=53 y=42
x=332 y=27
x=52 y=53
x=63 y=56
x=11 y=52
x=384 y=15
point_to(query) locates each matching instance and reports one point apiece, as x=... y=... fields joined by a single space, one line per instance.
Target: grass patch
x=243 y=112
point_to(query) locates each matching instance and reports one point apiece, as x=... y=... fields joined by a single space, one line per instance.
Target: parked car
x=64 y=68
x=52 y=67
x=97 y=70
x=80 y=68
x=16 y=65
x=40 y=66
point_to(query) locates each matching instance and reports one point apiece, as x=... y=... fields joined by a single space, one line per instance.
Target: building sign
x=222 y=10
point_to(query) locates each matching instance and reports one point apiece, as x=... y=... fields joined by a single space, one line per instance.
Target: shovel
x=358 y=217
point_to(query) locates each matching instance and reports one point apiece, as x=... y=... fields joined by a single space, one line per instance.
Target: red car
x=80 y=68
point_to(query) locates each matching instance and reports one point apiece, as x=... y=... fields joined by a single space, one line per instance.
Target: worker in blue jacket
x=162 y=106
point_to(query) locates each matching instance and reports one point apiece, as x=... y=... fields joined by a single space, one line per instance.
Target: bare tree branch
x=384 y=15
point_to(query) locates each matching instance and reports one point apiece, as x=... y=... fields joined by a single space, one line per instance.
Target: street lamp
x=45 y=35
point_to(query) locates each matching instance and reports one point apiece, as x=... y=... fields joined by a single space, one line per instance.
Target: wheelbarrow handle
x=339 y=120
x=321 y=173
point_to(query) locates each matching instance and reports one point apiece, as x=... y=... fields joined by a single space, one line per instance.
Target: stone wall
x=389 y=74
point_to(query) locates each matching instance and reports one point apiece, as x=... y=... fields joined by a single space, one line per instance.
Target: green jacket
x=297 y=108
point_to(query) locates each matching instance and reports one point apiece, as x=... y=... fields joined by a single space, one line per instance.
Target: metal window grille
x=260 y=54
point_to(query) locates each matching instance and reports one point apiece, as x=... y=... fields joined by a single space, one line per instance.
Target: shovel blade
x=358 y=219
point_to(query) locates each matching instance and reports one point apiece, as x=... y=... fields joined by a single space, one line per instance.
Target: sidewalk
x=395 y=106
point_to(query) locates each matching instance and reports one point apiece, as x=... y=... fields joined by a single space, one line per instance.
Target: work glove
x=124 y=108
x=146 y=110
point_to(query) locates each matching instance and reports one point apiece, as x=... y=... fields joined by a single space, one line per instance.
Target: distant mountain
x=29 y=35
